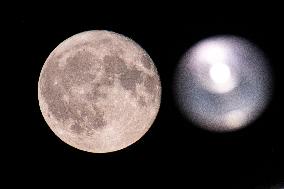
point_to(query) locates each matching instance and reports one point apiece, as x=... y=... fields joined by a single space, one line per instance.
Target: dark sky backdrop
x=173 y=148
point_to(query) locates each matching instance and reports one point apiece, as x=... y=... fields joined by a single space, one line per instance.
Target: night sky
x=173 y=150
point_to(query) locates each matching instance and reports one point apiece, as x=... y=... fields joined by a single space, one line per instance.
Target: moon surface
x=99 y=91
x=222 y=83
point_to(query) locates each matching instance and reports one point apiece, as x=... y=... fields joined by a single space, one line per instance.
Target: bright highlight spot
x=220 y=73
x=213 y=52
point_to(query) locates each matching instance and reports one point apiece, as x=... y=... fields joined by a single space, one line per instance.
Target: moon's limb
x=99 y=91
x=223 y=83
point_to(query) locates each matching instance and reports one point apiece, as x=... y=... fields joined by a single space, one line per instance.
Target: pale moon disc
x=99 y=91
x=223 y=83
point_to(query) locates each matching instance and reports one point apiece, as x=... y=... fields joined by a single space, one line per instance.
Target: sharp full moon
x=223 y=83
x=99 y=91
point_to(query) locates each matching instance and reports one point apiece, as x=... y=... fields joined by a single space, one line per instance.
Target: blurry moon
x=99 y=91
x=222 y=83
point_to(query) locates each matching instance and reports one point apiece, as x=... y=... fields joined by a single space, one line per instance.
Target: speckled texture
x=99 y=91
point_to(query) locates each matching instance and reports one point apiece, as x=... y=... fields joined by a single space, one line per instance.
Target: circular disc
x=223 y=83
x=99 y=91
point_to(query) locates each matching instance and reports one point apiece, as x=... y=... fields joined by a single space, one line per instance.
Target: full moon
x=223 y=83
x=99 y=91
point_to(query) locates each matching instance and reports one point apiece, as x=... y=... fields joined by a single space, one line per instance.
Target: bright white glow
x=211 y=63
x=220 y=73
x=223 y=83
x=212 y=53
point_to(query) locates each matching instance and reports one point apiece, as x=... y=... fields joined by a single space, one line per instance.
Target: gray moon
x=99 y=91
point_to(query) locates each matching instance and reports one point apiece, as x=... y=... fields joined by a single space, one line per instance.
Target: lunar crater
x=145 y=59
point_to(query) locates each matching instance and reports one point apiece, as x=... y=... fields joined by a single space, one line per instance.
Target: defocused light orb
x=223 y=83
x=220 y=73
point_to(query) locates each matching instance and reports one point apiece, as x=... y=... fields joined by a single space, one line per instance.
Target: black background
x=173 y=150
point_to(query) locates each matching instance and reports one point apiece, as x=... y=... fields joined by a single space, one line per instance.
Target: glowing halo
x=223 y=83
